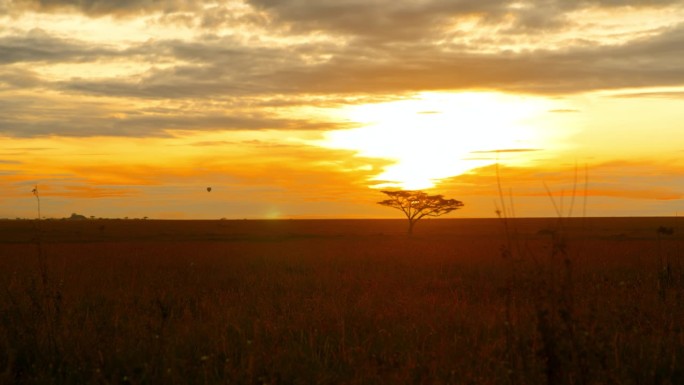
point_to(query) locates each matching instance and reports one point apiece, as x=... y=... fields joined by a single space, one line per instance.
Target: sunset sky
x=307 y=109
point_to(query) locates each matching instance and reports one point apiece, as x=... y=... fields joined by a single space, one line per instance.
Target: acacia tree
x=418 y=204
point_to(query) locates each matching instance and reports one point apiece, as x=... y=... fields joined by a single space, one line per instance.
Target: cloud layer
x=226 y=52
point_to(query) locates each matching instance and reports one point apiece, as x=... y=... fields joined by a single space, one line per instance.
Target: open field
x=588 y=301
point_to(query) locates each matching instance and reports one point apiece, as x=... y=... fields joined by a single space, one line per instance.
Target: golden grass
x=341 y=302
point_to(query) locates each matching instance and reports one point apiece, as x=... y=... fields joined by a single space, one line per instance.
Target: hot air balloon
x=208 y=189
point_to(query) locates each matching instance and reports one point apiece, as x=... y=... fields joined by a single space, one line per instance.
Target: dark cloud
x=371 y=19
x=26 y=117
x=106 y=7
x=209 y=68
x=37 y=45
x=13 y=78
x=383 y=20
x=388 y=48
x=542 y=73
x=393 y=20
x=141 y=126
x=225 y=68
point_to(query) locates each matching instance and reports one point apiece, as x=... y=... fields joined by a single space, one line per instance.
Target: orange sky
x=292 y=109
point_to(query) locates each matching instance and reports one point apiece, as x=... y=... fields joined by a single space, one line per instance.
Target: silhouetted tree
x=418 y=204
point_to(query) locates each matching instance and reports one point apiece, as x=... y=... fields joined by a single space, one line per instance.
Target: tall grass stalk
x=46 y=299
x=561 y=350
x=42 y=263
x=508 y=254
x=664 y=275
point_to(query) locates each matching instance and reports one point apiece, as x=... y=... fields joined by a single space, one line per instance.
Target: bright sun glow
x=439 y=135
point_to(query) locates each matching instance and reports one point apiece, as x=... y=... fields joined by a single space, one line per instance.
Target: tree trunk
x=410 y=227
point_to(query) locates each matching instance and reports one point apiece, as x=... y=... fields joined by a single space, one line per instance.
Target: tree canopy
x=418 y=204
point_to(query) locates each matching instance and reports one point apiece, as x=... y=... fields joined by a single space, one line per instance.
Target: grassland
x=586 y=301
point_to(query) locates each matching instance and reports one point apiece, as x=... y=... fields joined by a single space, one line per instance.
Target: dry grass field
x=463 y=301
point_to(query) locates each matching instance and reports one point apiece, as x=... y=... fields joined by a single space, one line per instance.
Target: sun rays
x=438 y=135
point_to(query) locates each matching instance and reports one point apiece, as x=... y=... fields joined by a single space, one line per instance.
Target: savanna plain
x=462 y=301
